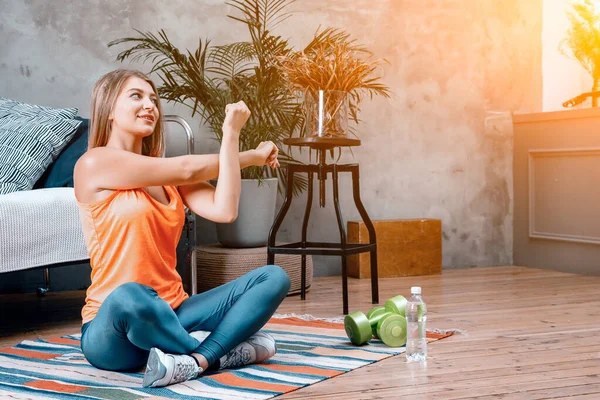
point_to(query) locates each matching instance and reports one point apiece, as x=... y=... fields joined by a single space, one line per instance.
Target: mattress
x=39 y=228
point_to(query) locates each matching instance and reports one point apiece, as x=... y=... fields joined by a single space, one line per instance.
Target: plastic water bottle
x=416 y=318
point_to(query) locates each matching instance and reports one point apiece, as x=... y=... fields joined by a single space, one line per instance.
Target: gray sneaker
x=257 y=348
x=166 y=369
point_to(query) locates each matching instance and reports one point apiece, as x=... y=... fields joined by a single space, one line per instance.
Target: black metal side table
x=304 y=247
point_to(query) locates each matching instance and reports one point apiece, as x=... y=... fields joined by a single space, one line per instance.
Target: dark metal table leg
x=304 y=229
x=321 y=171
x=340 y=221
x=281 y=215
x=372 y=237
x=322 y=176
x=43 y=290
x=345 y=284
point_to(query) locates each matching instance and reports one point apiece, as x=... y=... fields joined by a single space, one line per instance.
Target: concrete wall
x=440 y=148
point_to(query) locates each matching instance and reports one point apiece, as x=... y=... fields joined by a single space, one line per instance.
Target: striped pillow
x=10 y=107
x=29 y=141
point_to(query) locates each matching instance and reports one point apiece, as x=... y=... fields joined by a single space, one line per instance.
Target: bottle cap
x=415 y=290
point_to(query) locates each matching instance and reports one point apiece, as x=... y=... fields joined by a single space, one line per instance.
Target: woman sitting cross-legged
x=131 y=202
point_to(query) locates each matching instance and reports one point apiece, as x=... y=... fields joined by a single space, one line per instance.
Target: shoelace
x=237 y=358
x=185 y=369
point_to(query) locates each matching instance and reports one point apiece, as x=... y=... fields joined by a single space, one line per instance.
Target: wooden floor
x=528 y=334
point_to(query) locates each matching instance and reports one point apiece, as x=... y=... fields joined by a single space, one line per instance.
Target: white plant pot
x=256 y=213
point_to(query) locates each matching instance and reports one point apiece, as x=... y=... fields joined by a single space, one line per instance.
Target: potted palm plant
x=582 y=42
x=210 y=77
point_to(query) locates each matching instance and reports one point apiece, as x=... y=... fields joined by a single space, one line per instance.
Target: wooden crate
x=405 y=247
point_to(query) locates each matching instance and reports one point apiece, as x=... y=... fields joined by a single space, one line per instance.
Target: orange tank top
x=131 y=237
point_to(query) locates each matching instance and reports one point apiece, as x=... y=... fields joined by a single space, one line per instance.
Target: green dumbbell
x=392 y=330
x=359 y=328
x=396 y=305
x=372 y=314
x=358 y=325
x=389 y=327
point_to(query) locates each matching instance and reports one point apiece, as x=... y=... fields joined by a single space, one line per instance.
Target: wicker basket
x=218 y=265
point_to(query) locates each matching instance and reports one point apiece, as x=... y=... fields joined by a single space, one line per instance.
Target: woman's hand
x=267 y=154
x=236 y=115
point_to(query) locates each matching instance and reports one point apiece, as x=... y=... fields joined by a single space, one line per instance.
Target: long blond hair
x=104 y=97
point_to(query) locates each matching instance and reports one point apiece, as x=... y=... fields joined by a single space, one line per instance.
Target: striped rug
x=309 y=351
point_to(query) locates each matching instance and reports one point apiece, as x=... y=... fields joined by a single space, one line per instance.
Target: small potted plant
x=332 y=75
x=582 y=42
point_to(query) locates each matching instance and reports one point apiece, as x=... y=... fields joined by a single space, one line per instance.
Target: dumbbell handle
x=377 y=317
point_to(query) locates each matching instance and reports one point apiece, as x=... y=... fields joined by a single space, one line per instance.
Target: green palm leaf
x=232 y=59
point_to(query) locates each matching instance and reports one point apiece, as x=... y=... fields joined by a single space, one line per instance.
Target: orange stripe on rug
x=56 y=386
x=28 y=353
x=300 y=322
x=303 y=370
x=232 y=380
x=437 y=336
x=63 y=341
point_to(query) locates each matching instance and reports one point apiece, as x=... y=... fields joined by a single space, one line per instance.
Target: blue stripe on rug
x=42 y=348
x=258 y=378
x=290 y=374
x=369 y=348
x=309 y=354
x=299 y=364
x=307 y=335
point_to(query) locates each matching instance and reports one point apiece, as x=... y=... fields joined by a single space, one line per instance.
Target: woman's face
x=136 y=108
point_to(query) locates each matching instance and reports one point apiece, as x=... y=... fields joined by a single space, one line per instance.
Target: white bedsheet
x=39 y=227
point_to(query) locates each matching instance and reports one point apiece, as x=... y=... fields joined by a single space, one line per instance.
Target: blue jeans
x=133 y=319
